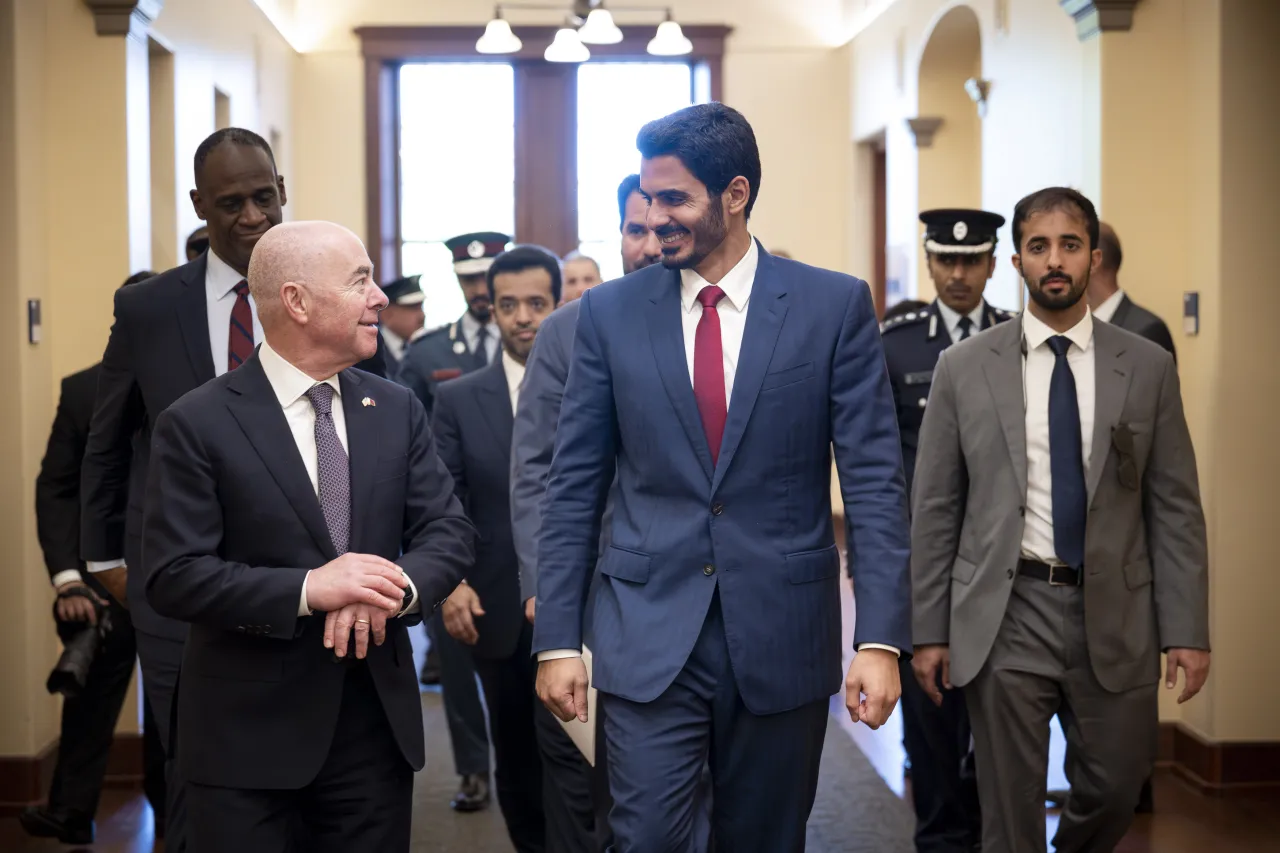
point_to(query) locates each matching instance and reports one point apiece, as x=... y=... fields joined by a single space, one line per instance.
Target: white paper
x=583 y=734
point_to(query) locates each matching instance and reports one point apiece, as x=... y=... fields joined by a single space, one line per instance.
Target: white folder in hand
x=583 y=734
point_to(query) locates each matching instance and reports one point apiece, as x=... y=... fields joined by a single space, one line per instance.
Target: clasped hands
x=358 y=593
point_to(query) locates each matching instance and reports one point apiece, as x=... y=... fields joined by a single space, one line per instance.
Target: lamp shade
x=600 y=28
x=670 y=41
x=498 y=38
x=567 y=47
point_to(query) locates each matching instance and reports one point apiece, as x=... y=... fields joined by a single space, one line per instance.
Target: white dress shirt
x=514 y=371
x=1037 y=531
x=220 y=282
x=471 y=331
x=395 y=344
x=291 y=386
x=736 y=284
x=1109 y=306
x=952 y=320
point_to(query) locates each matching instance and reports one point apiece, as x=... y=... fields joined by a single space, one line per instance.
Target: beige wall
x=783 y=70
x=76 y=141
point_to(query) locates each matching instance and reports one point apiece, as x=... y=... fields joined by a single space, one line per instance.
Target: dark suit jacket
x=1132 y=316
x=756 y=526
x=232 y=526
x=437 y=356
x=158 y=350
x=58 y=484
x=472 y=423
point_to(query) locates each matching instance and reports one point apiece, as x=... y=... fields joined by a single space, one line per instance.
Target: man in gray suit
x=1058 y=543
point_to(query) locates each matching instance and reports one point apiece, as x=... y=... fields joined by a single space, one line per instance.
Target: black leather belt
x=1053 y=575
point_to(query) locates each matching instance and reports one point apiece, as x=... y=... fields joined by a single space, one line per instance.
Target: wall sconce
x=923 y=128
x=978 y=90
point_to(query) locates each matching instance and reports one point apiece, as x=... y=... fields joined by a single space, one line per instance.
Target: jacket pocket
x=809 y=566
x=787 y=376
x=963 y=570
x=391 y=468
x=630 y=566
x=1138 y=573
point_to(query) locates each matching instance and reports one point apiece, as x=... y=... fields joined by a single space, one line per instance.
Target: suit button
x=717 y=509
x=708 y=570
x=1009 y=574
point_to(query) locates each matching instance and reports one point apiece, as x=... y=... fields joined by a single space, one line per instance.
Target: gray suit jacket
x=1145 y=585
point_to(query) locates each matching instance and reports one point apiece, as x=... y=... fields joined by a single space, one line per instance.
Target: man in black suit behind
x=278 y=497
x=1112 y=305
x=543 y=783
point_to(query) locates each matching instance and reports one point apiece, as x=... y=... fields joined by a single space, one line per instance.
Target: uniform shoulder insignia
x=909 y=319
x=1002 y=314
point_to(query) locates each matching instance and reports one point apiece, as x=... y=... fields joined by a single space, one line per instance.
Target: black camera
x=80 y=644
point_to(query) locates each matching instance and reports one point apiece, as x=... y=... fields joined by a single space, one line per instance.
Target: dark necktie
x=966 y=325
x=482 y=346
x=708 y=370
x=1066 y=459
x=332 y=471
x=240 y=333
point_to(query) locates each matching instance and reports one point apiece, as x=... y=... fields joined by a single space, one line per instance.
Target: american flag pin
x=368 y=401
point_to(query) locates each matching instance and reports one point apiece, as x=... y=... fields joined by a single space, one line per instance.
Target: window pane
x=457 y=168
x=616 y=99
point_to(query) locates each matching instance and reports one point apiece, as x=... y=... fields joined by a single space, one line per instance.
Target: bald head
x=300 y=253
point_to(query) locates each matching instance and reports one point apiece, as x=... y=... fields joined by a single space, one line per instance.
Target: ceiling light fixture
x=498 y=37
x=566 y=47
x=589 y=22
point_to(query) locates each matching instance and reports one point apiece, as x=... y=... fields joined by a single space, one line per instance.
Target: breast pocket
x=787 y=376
x=391 y=468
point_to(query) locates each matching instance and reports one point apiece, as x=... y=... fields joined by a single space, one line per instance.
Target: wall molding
x=1099 y=16
x=923 y=129
x=123 y=17
x=24 y=779
x=1219 y=768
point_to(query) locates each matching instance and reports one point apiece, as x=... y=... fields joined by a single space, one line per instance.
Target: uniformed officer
x=960 y=252
x=401 y=321
x=471 y=341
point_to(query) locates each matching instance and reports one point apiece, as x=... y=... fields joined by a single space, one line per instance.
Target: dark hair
x=629 y=186
x=137 y=277
x=525 y=258
x=903 y=306
x=236 y=135
x=1055 y=198
x=714 y=142
x=1109 y=243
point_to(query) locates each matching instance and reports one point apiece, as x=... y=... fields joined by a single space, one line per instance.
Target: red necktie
x=708 y=370
x=240 y=335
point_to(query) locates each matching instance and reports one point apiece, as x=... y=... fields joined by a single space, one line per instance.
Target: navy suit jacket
x=758 y=525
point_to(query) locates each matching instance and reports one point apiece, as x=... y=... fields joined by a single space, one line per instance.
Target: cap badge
x=475 y=249
x=960 y=231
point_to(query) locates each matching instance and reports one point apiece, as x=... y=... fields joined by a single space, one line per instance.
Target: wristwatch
x=408 y=600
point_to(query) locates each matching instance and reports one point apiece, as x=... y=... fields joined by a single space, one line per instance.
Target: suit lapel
x=494 y=401
x=193 y=320
x=255 y=407
x=1112 y=371
x=1122 y=312
x=666 y=334
x=362 y=449
x=768 y=308
x=1003 y=369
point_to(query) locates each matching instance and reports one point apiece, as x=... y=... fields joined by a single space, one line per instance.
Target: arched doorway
x=950 y=166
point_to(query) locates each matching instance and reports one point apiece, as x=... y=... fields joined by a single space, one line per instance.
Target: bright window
x=457 y=166
x=616 y=99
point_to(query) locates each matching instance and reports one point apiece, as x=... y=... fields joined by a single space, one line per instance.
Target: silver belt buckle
x=1052 y=572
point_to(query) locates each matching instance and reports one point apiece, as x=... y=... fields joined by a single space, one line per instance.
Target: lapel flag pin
x=368 y=401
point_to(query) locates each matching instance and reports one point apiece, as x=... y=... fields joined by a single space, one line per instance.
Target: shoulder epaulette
x=909 y=319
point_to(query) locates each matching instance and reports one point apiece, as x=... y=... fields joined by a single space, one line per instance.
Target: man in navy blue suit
x=715 y=385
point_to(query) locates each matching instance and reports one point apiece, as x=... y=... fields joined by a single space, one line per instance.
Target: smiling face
x=239 y=196
x=688 y=221
x=347 y=303
x=1055 y=260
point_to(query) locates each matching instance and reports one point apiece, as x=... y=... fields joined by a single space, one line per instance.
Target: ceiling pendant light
x=670 y=40
x=498 y=37
x=567 y=47
x=600 y=28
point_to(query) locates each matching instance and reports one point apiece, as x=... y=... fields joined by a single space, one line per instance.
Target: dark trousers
x=362 y=799
x=764 y=769
x=944 y=789
x=462 y=709
x=153 y=763
x=89 y=721
x=161 y=658
x=543 y=783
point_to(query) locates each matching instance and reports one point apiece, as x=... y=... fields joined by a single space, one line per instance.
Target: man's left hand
x=1195 y=667
x=873 y=687
x=365 y=620
x=77 y=608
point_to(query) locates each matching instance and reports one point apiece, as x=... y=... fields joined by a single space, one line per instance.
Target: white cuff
x=896 y=652
x=105 y=565
x=559 y=654
x=67 y=576
x=303 y=609
x=416 y=604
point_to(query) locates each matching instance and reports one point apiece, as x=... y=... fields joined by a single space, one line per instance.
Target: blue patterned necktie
x=333 y=472
x=1066 y=459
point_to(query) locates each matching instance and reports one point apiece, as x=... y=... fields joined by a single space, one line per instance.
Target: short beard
x=708 y=234
x=1075 y=292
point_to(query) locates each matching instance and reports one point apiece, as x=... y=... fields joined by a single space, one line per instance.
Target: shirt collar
x=287 y=381
x=952 y=318
x=513 y=369
x=1036 y=332
x=395 y=343
x=736 y=283
x=471 y=327
x=219 y=278
x=1107 y=309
